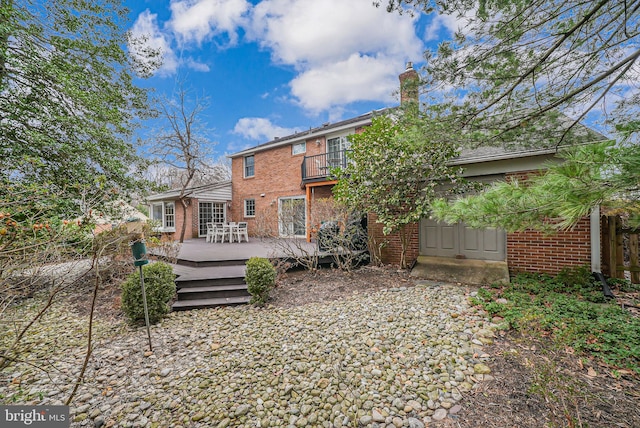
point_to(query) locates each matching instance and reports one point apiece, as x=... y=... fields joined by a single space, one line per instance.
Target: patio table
x=232 y=230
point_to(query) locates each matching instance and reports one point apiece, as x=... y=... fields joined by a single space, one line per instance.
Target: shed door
x=458 y=240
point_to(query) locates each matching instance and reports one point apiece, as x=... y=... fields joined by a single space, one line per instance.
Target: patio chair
x=242 y=231
x=230 y=229
x=221 y=231
x=210 y=232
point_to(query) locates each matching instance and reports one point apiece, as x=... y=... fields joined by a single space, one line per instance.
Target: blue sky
x=273 y=67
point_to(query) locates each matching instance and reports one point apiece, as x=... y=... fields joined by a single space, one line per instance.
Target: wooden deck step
x=186 y=273
x=183 y=305
x=211 y=263
x=213 y=291
x=208 y=282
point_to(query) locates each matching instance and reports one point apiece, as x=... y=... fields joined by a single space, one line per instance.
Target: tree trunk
x=185 y=203
x=404 y=243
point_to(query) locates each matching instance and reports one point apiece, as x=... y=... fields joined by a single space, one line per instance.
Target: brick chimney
x=409 y=82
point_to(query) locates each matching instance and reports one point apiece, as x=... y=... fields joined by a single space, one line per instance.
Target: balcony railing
x=318 y=167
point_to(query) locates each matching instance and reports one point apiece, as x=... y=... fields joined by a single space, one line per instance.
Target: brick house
x=289 y=174
x=292 y=172
x=208 y=203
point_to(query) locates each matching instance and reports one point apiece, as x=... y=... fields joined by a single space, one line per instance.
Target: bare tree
x=168 y=176
x=183 y=144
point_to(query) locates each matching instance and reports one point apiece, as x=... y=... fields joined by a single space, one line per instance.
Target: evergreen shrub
x=160 y=286
x=260 y=277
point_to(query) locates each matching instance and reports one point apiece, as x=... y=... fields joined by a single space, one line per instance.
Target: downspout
x=596 y=266
x=308 y=220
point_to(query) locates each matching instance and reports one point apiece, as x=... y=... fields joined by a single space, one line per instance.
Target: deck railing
x=319 y=166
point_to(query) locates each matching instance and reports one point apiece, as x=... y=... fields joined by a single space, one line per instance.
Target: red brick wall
x=193 y=217
x=528 y=251
x=277 y=174
x=322 y=192
x=391 y=252
x=532 y=251
x=192 y=221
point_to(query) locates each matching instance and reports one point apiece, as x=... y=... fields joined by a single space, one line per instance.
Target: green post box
x=139 y=250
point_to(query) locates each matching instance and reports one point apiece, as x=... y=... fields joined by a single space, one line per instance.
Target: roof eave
x=511 y=155
x=312 y=133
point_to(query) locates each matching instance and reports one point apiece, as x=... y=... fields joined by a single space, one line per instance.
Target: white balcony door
x=336 y=151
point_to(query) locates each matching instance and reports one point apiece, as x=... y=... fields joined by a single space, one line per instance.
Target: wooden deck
x=212 y=274
x=199 y=251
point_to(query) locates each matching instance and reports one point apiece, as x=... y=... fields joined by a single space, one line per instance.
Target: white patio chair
x=242 y=230
x=220 y=230
x=232 y=228
x=210 y=232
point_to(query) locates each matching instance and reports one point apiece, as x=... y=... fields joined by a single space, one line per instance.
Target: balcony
x=318 y=167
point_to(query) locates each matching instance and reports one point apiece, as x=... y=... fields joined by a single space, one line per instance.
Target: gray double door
x=460 y=241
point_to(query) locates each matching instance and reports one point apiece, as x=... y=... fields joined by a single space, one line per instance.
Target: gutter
x=362 y=120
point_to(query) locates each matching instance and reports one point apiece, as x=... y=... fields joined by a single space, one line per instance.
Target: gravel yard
x=395 y=357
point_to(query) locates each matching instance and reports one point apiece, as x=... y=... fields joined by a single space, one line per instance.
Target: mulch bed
x=537 y=385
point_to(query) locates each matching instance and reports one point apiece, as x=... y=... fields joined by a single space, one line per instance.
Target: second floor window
x=338 y=144
x=299 y=148
x=249 y=170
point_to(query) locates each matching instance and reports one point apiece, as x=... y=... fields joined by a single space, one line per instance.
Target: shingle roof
x=222 y=188
x=324 y=129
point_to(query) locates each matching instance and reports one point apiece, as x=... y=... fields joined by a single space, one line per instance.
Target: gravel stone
x=388 y=358
x=415 y=423
x=439 y=415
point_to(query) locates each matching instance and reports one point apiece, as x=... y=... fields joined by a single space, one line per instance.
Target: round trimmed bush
x=159 y=283
x=260 y=278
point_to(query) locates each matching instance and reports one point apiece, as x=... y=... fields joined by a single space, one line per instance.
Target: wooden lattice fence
x=620 y=249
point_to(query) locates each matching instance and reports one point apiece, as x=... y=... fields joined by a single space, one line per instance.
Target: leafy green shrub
x=575 y=277
x=260 y=278
x=160 y=287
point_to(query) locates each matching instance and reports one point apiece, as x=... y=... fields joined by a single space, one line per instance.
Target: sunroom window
x=164 y=214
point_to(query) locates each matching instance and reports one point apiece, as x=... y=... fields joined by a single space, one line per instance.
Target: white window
x=338 y=144
x=292 y=218
x=299 y=148
x=249 y=170
x=249 y=207
x=336 y=151
x=164 y=213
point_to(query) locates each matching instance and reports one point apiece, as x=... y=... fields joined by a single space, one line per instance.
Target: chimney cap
x=409 y=65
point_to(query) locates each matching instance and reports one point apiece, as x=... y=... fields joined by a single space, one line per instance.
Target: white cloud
x=147 y=32
x=450 y=23
x=314 y=32
x=258 y=128
x=355 y=79
x=199 y=20
x=344 y=51
x=196 y=65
